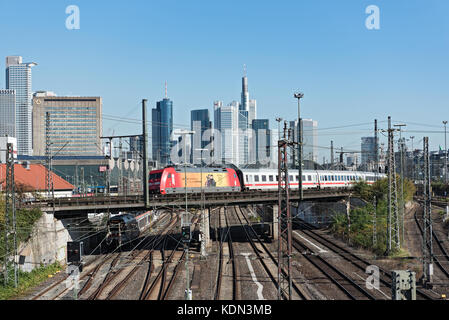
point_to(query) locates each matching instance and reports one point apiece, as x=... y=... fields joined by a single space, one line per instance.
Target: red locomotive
x=207 y=179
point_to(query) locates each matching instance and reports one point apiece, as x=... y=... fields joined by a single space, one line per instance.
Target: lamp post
x=188 y=293
x=445 y=151
x=299 y=95
x=203 y=216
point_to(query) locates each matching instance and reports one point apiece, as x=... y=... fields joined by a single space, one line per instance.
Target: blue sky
x=125 y=51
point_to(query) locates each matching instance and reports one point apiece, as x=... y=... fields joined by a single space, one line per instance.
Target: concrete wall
x=48 y=243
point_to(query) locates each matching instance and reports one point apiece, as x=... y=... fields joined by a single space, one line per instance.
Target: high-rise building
x=368 y=148
x=18 y=78
x=75 y=125
x=199 y=122
x=262 y=141
x=310 y=139
x=229 y=126
x=162 y=129
x=252 y=111
x=7 y=112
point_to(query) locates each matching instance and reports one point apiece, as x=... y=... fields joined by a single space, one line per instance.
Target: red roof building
x=32 y=177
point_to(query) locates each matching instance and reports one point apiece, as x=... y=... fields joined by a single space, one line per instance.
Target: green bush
x=361 y=229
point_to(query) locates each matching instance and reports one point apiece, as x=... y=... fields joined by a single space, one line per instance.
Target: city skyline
x=402 y=79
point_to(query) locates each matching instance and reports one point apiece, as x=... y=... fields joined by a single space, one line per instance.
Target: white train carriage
x=267 y=179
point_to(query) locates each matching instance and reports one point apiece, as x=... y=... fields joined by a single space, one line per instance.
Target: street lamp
x=203 y=216
x=188 y=292
x=279 y=127
x=299 y=96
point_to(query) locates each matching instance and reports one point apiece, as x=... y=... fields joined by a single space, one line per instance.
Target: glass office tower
x=18 y=78
x=162 y=129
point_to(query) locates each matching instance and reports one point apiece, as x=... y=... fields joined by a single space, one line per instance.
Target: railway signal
x=185 y=233
x=74 y=251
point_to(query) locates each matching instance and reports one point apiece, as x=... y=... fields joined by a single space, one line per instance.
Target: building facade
x=8 y=112
x=310 y=139
x=199 y=122
x=18 y=78
x=368 y=148
x=162 y=129
x=75 y=125
x=262 y=141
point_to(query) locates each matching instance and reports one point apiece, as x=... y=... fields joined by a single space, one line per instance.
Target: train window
x=277 y=178
x=303 y=178
x=250 y=178
x=290 y=178
x=246 y=177
x=256 y=178
x=332 y=177
x=309 y=178
x=264 y=178
x=270 y=178
x=297 y=178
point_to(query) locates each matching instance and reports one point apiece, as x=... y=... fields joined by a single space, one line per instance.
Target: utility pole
x=299 y=96
x=10 y=211
x=332 y=153
x=203 y=215
x=284 y=220
x=427 y=218
x=445 y=152
x=48 y=155
x=146 y=194
x=375 y=221
x=188 y=292
x=401 y=153
x=413 y=159
x=393 y=219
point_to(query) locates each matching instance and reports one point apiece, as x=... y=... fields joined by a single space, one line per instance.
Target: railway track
x=225 y=236
x=161 y=287
x=440 y=253
x=360 y=263
x=136 y=258
x=301 y=294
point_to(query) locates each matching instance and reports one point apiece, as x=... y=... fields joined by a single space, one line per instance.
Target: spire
x=165 y=89
x=244 y=70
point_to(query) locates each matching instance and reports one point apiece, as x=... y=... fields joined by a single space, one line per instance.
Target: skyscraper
x=75 y=125
x=228 y=120
x=368 y=148
x=18 y=78
x=162 y=129
x=252 y=112
x=310 y=139
x=199 y=122
x=8 y=113
x=262 y=140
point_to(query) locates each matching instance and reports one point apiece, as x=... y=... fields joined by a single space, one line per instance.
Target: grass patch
x=27 y=280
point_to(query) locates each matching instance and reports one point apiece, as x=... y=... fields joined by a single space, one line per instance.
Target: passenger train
x=231 y=179
x=124 y=228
